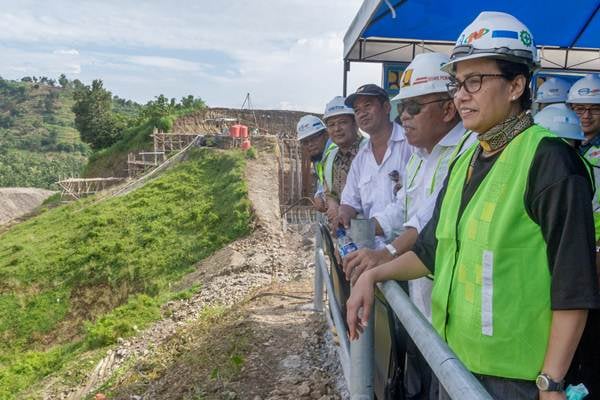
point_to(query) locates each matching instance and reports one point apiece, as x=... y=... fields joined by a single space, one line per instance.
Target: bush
x=165 y=124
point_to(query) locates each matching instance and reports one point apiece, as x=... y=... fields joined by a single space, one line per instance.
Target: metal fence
x=357 y=357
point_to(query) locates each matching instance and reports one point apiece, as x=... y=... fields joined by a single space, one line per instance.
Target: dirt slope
x=248 y=333
x=16 y=202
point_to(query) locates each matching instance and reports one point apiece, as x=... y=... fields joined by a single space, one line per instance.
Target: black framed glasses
x=413 y=107
x=580 y=109
x=472 y=84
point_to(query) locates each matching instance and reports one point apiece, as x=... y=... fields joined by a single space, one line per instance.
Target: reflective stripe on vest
x=412 y=170
x=491 y=294
x=319 y=165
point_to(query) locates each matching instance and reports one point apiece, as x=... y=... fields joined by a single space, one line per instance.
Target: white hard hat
x=561 y=120
x=309 y=125
x=585 y=91
x=554 y=90
x=423 y=76
x=495 y=35
x=337 y=107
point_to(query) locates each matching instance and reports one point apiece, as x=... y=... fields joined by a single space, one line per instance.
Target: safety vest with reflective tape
x=330 y=158
x=592 y=156
x=319 y=165
x=491 y=294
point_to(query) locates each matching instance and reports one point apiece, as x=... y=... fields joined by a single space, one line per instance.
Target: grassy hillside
x=112 y=161
x=39 y=140
x=108 y=268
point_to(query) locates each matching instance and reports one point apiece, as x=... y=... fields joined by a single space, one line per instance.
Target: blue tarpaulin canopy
x=566 y=32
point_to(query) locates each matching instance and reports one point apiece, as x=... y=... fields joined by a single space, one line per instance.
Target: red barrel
x=234 y=131
x=246 y=144
x=243 y=131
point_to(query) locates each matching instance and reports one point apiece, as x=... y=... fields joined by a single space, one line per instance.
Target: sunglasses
x=413 y=107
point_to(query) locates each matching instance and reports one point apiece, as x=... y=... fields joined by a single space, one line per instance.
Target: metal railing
x=356 y=358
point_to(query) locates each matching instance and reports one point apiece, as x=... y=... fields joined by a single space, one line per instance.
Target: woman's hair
x=511 y=70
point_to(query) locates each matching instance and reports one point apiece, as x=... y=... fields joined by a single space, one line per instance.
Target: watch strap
x=553 y=386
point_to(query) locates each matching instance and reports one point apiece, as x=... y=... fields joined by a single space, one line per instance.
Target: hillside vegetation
x=39 y=140
x=105 y=272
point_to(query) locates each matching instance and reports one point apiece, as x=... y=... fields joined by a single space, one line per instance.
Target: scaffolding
x=169 y=142
x=146 y=160
x=78 y=187
x=295 y=183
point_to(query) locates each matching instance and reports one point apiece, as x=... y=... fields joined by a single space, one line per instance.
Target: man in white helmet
x=343 y=131
x=553 y=90
x=374 y=173
x=313 y=136
x=584 y=100
x=511 y=239
x=563 y=121
x=432 y=125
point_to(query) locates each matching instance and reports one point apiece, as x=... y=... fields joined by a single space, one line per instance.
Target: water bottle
x=345 y=244
x=576 y=392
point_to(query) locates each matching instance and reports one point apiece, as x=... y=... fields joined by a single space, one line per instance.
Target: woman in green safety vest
x=511 y=240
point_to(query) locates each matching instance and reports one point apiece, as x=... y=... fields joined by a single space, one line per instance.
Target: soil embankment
x=17 y=202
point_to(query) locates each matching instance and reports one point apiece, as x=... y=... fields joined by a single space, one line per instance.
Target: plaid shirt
x=341 y=166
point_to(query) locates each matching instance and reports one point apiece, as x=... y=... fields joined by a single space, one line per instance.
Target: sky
x=286 y=53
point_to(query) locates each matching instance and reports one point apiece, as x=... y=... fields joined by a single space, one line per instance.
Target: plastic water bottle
x=577 y=392
x=345 y=243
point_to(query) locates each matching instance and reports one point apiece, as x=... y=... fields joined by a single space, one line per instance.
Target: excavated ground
x=249 y=332
x=17 y=202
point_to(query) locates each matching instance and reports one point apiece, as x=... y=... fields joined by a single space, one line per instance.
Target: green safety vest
x=319 y=165
x=491 y=294
x=330 y=157
x=592 y=156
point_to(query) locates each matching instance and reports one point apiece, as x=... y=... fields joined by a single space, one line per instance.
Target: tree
x=63 y=81
x=93 y=117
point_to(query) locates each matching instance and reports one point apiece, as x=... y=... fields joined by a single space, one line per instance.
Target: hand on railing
x=359 y=305
x=357 y=262
x=344 y=215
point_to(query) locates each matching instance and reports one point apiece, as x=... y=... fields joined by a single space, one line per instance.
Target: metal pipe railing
x=356 y=358
x=362 y=350
x=338 y=322
x=450 y=371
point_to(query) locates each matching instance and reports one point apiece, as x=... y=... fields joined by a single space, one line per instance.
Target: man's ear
x=449 y=111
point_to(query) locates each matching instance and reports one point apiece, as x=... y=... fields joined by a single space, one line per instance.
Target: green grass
x=79 y=276
x=112 y=161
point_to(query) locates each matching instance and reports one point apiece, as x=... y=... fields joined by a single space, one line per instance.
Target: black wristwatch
x=546 y=384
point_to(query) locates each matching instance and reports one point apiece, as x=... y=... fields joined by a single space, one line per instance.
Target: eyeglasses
x=414 y=107
x=580 y=109
x=472 y=84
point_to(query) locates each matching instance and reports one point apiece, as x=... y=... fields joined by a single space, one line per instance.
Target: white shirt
x=422 y=181
x=369 y=189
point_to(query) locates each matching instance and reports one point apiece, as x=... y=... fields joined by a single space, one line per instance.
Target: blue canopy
x=567 y=32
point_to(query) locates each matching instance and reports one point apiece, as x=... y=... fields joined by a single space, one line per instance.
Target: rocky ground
x=248 y=332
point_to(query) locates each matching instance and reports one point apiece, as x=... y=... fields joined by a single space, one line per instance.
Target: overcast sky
x=286 y=53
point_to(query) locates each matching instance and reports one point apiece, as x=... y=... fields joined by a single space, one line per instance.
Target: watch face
x=542 y=382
